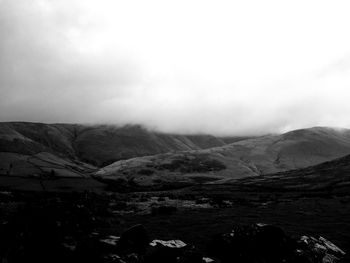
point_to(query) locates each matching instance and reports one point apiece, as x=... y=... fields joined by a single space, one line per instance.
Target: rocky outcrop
x=257 y=243
x=68 y=233
x=318 y=249
x=267 y=243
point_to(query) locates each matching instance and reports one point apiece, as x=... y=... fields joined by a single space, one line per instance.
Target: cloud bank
x=184 y=66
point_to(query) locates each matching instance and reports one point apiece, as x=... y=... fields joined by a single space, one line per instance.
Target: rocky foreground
x=76 y=230
x=250 y=243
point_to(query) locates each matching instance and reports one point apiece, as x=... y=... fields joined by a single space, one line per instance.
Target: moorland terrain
x=105 y=179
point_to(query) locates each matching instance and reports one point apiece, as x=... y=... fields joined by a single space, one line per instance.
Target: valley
x=298 y=181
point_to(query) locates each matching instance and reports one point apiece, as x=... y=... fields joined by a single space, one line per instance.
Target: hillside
x=40 y=151
x=252 y=157
x=71 y=150
x=105 y=144
x=332 y=176
x=132 y=156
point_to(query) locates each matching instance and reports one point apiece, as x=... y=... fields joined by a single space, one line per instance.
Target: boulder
x=253 y=243
x=163 y=210
x=172 y=251
x=319 y=250
x=135 y=239
x=110 y=240
x=267 y=243
x=169 y=243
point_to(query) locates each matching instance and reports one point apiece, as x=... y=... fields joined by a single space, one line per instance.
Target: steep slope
x=30 y=138
x=98 y=145
x=252 y=157
x=332 y=176
x=292 y=150
x=103 y=145
x=39 y=150
x=37 y=156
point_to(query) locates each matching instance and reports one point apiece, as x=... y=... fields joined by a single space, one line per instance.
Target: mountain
x=134 y=156
x=251 y=157
x=73 y=150
x=332 y=176
x=39 y=150
x=105 y=144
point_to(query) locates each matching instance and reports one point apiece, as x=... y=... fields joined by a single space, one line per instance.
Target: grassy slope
x=48 y=152
x=251 y=157
x=301 y=210
x=309 y=201
x=99 y=144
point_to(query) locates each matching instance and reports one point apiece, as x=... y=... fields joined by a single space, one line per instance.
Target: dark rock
x=267 y=243
x=319 y=250
x=172 y=251
x=165 y=251
x=191 y=255
x=110 y=240
x=135 y=239
x=112 y=258
x=163 y=210
x=273 y=244
x=89 y=249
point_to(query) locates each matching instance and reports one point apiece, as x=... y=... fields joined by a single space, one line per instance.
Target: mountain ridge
x=246 y=158
x=85 y=146
x=133 y=155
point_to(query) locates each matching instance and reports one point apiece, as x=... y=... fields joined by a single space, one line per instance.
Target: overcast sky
x=221 y=67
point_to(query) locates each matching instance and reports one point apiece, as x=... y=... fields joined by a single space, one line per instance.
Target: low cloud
x=249 y=70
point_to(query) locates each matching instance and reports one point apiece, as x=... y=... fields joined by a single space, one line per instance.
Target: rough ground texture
x=55 y=208
x=57 y=155
x=312 y=202
x=246 y=158
x=85 y=228
x=158 y=160
x=98 y=145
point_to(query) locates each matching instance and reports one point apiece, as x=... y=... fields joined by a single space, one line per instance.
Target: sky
x=220 y=67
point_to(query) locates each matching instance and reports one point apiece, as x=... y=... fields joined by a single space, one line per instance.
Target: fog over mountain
x=228 y=68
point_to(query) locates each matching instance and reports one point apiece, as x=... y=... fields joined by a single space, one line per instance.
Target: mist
x=226 y=68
